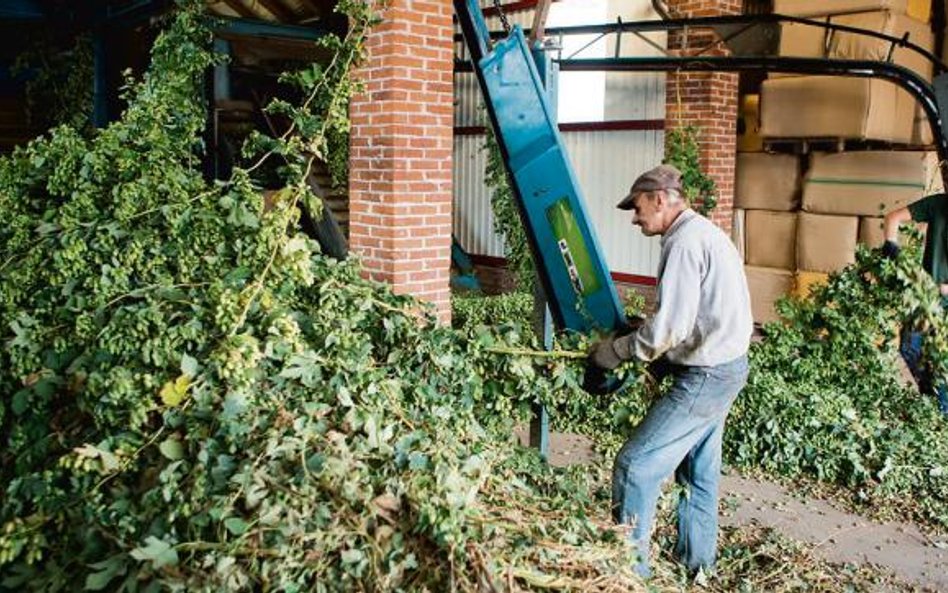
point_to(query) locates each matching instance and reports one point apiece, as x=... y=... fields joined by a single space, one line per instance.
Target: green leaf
x=171 y=448
x=157 y=551
x=106 y=571
x=352 y=556
x=235 y=525
x=189 y=366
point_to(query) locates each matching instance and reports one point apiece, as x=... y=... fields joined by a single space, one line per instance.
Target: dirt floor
x=838 y=536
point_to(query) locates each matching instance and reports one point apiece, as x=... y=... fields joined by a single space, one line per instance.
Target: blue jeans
x=682 y=431
x=911 y=351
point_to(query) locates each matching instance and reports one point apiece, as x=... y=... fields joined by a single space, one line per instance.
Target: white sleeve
x=679 y=294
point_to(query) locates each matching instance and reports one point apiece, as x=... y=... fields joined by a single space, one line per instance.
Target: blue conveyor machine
x=569 y=261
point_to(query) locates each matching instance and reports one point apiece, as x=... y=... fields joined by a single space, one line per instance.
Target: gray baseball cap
x=661 y=177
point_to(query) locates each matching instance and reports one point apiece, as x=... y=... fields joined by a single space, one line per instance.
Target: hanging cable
x=503 y=17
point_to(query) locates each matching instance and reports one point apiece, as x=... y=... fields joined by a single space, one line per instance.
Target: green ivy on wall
x=682 y=150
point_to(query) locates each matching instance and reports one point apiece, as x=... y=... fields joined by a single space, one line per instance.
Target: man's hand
x=889 y=249
x=603 y=354
x=609 y=352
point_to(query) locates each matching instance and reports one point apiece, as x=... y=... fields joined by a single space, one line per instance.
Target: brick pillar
x=709 y=101
x=400 y=160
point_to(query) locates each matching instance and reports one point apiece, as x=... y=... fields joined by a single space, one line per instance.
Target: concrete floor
x=837 y=535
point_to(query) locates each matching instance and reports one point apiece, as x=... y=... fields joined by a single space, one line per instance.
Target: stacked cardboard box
x=806 y=227
x=844 y=197
x=848 y=108
x=766 y=286
x=767 y=196
x=917 y=9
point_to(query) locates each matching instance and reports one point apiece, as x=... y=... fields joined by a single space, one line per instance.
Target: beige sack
x=835 y=107
x=765 y=181
x=864 y=183
x=770 y=238
x=812 y=8
x=766 y=285
x=826 y=243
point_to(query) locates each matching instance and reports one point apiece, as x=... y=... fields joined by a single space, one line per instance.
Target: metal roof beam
x=256 y=28
x=27 y=10
x=319 y=10
x=240 y=8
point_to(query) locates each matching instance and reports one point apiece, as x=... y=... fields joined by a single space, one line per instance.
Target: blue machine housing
x=577 y=282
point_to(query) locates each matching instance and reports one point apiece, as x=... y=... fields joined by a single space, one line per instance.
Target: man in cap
x=699 y=335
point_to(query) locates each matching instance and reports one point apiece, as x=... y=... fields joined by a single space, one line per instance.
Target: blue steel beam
x=254 y=28
x=568 y=258
x=27 y=10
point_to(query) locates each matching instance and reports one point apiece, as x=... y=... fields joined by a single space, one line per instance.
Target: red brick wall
x=400 y=161
x=709 y=101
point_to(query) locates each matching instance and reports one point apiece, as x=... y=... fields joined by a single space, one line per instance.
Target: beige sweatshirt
x=704 y=313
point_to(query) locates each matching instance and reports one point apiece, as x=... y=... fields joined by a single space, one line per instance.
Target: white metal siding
x=468 y=110
x=473 y=218
x=605 y=163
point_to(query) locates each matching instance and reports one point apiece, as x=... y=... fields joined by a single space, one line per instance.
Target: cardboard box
x=766 y=285
x=864 y=183
x=801 y=40
x=805 y=282
x=921 y=130
x=934 y=182
x=809 y=8
x=767 y=181
x=770 y=238
x=920 y=10
x=811 y=41
x=854 y=46
x=826 y=243
x=872 y=235
x=835 y=107
x=748 y=137
x=870 y=231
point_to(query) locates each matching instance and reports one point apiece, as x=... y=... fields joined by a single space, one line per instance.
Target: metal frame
x=923 y=92
x=745 y=23
x=519 y=109
x=762 y=32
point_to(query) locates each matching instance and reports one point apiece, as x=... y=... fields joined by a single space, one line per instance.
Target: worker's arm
x=679 y=293
x=893 y=220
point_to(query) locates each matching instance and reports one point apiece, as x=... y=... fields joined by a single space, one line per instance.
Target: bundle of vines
x=193 y=398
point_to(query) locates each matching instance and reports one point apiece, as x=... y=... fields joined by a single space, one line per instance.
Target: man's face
x=647 y=212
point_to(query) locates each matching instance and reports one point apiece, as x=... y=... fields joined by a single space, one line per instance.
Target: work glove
x=889 y=249
x=608 y=353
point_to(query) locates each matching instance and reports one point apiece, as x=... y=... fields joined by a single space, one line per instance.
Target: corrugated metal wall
x=605 y=161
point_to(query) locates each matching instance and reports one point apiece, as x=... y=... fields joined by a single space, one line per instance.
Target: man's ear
x=661 y=199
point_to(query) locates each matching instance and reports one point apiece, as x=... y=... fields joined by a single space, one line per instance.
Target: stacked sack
x=797 y=228
x=767 y=199
x=795 y=106
x=799 y=218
